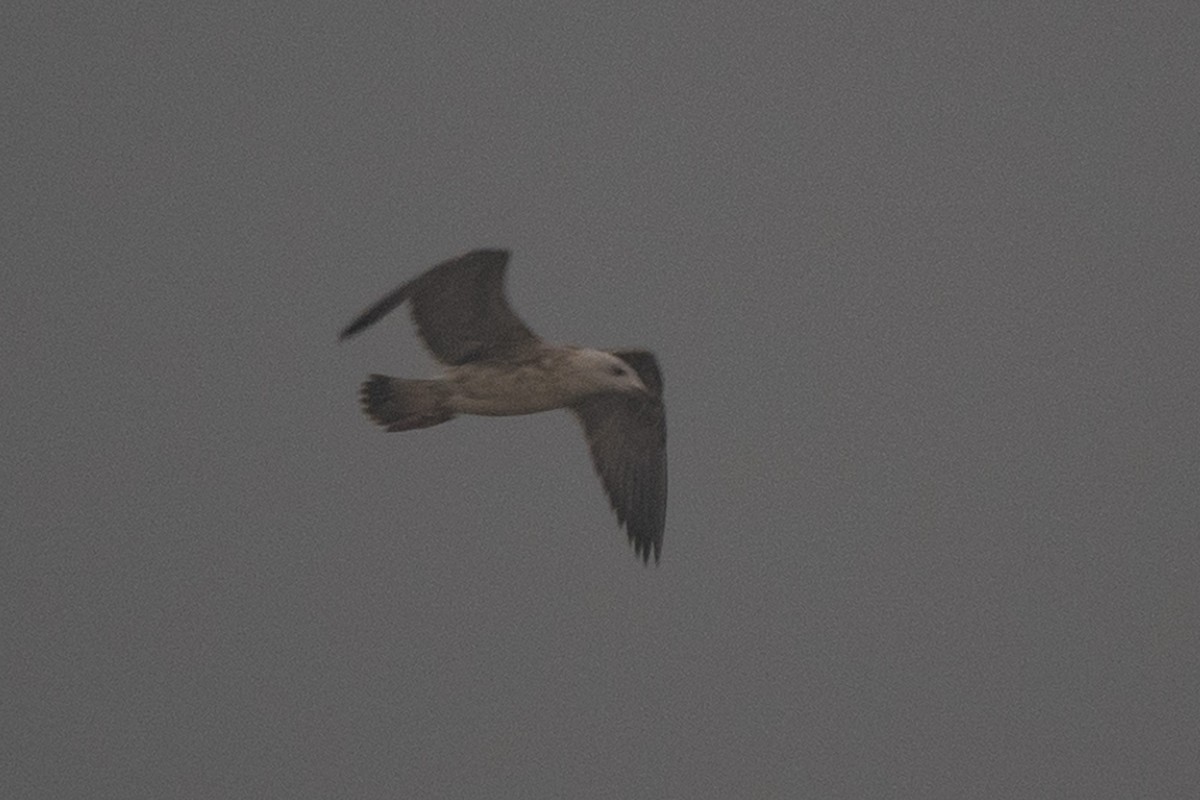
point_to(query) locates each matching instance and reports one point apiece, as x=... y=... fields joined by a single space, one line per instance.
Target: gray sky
x=924 y=285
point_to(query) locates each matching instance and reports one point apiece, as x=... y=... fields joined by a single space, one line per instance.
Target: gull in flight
x=496 y=366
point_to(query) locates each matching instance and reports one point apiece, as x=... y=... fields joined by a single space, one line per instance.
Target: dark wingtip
x=351 y=329
x=642 y=548
x=372 y=314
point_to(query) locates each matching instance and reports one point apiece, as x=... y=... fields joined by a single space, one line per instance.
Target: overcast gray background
x=924 y=285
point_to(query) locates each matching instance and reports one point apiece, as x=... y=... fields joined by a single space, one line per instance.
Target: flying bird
x=496 y=366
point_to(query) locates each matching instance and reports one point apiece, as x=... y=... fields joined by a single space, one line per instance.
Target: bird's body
x=495 y=366
x=500 y=390
x=553 y=377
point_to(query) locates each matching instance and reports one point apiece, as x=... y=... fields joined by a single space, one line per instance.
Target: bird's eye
x=616 y=370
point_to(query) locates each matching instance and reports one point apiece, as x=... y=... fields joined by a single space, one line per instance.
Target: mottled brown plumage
x=496 y=366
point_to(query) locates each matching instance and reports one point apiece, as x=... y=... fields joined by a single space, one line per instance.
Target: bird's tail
x=403 y=405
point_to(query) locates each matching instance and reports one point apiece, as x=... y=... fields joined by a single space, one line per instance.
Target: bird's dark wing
x=627 y=435
x=460 y=310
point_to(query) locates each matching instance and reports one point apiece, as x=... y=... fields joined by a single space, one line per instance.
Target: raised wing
x=460 y=310
x=627 y=435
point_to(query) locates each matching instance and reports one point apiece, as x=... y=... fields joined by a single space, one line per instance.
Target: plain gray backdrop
x=923 y=281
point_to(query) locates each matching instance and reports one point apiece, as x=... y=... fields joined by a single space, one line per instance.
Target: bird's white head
x=603 y=372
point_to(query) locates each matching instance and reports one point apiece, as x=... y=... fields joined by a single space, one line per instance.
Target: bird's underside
x=496 y=366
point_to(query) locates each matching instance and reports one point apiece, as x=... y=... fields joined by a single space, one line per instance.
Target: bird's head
x=604 y=372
